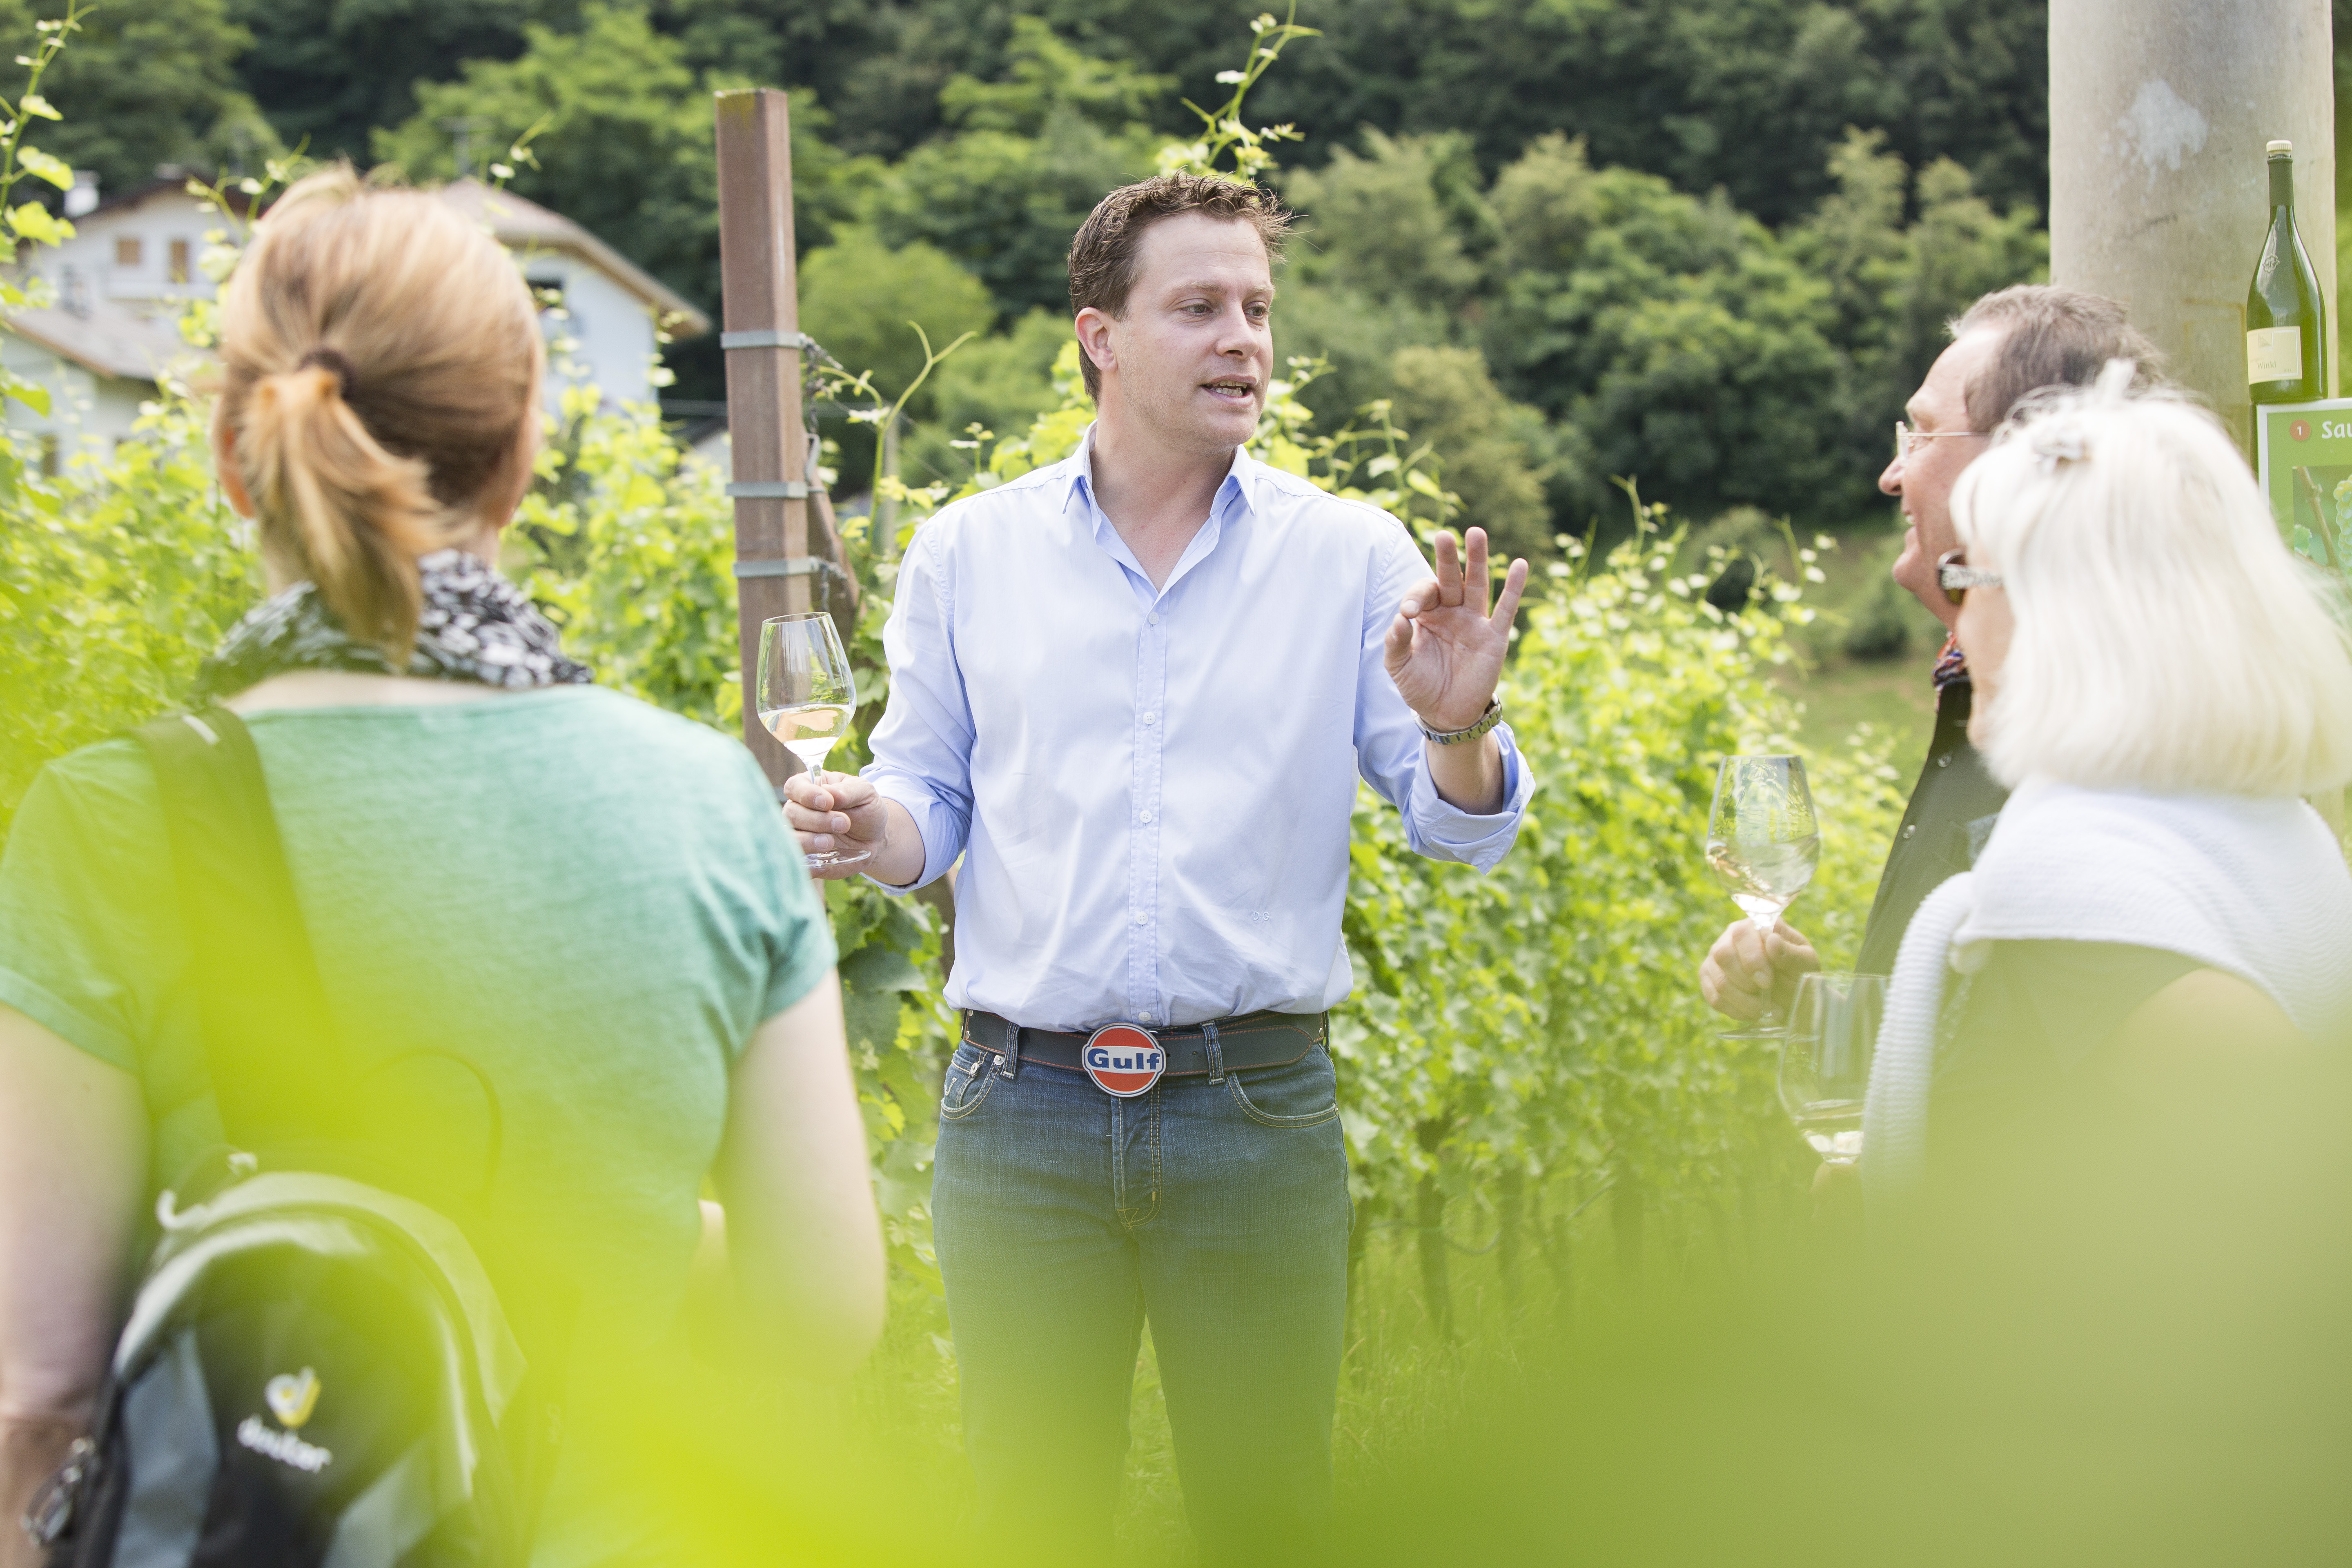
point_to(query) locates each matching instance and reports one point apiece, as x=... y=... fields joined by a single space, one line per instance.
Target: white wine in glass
x=1762 y=844
x=807 y=697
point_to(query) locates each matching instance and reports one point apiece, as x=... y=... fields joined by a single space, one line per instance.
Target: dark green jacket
x=1952 y=809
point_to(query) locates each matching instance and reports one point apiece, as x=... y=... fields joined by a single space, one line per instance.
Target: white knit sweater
x=2257 y=888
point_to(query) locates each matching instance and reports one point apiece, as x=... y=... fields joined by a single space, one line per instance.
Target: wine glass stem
x=1765 y=926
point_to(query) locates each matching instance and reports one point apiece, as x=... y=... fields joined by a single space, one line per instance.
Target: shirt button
x=1152 y=619
x=1944 y=760
x=1150 y=1017
x=1146 y=818
x=1138 y=920
x=1910 y=829
x=1151 y=718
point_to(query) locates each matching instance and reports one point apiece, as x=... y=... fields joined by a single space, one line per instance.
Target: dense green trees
x=147 y=82
x=331 y=72
x=1709 y=244
x=1665 y=336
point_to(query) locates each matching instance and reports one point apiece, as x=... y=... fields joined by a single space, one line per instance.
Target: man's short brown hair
x=1102 y=256
x=2048 y=337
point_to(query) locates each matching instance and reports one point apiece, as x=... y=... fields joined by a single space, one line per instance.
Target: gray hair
x=2048 y=337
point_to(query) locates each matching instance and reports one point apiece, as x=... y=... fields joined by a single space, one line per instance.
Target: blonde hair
x=2166 y=639
x=381 y=362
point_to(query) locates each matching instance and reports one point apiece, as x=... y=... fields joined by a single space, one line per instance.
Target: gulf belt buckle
x=1123 y=1060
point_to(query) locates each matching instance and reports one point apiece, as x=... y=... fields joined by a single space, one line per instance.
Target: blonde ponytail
x=380 y=361
x=360 y=515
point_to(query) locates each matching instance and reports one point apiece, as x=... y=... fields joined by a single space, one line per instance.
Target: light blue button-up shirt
x=1151 y=788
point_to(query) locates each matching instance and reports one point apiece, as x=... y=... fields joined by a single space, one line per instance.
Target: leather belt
x=1251 y=1040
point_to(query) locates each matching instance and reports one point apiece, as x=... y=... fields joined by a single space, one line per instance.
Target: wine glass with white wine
x=1762 y=844
x=806 y=697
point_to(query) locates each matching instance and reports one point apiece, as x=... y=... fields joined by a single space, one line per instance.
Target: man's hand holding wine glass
x=1746 y=970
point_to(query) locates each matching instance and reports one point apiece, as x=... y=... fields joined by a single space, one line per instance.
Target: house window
x=179 y=261
x=127 y=251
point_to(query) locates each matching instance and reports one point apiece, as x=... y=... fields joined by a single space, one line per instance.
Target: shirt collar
x=1238 y=493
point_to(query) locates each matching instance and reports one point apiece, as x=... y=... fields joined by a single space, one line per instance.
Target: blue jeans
x=1065 y=1218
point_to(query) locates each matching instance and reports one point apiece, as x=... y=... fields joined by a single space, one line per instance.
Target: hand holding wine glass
x=1762 y=844
x=806 y=697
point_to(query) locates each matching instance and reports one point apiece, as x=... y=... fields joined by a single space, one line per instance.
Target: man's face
x=1923 y=478
x=1190 y=359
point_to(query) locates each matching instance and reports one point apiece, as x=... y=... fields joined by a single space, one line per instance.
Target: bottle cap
x=2281 y=149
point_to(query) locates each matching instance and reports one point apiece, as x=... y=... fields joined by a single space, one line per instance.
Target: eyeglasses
x=1906 y=437
x=1957 y=576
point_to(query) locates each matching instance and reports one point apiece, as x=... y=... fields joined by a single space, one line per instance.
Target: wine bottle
x=2287 y=315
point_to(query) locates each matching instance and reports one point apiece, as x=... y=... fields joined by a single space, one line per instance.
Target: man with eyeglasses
x=2008 y=345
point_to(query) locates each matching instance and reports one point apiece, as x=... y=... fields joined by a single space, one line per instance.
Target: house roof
x=524 y=225
x=518 y=222
x=109 y=338
x=139 y=195
x=113 y=339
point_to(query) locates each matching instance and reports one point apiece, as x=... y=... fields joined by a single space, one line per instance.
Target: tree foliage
x=149 y=82
x=330 y=73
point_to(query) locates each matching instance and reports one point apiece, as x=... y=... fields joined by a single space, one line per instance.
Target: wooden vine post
x=775 y=570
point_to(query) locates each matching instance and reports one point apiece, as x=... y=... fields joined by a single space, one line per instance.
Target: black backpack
x=318 y=1367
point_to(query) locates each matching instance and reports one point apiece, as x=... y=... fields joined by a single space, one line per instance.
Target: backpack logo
x=1122 y=1059
x=291 y=1399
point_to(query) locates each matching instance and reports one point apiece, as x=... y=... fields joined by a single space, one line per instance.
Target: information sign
x=2303 y=453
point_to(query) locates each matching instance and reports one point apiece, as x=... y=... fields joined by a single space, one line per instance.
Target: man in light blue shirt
x=1133 y=691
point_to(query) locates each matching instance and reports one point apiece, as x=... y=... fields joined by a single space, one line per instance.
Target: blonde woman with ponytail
x=593 y=906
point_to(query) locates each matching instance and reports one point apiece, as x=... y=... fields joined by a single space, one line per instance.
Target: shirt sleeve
x=922 y=747
x=87 y=920
x=1391 y=751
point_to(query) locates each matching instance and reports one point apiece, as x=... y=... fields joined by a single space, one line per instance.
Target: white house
x=609 y=307
x=136 y=258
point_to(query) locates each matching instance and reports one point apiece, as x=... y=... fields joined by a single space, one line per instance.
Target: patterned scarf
x=475 y=626
x=1950 y=664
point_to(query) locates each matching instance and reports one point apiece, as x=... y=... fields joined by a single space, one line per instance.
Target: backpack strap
x=271 y=1048
x=278 y=1064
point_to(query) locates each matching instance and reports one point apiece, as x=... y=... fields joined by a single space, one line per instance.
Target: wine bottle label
x=2273 y=354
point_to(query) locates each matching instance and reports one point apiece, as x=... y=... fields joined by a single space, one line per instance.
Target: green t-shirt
x=594 y=903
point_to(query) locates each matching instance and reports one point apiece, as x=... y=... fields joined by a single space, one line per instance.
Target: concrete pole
x=2159 y=111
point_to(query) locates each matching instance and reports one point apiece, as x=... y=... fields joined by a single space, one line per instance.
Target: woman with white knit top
x=2160 y=682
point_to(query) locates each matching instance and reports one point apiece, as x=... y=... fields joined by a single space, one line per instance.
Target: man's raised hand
x=1444 y=650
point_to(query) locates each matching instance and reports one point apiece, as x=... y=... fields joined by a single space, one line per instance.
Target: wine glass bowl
x=1825 y=1060
x=806 y=697
x=1762 y=844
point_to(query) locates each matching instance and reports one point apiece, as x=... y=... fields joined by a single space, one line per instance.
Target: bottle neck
x=2282 y=183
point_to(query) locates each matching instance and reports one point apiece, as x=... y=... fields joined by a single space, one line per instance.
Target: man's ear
x=1094 y=328
x=232 y=482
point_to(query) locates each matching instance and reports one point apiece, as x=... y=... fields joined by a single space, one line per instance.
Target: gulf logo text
x=1123 y=1061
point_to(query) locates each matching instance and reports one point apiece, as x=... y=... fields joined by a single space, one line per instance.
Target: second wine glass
x=1762 y=844
x=1825 y=1062
x=806 y=697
